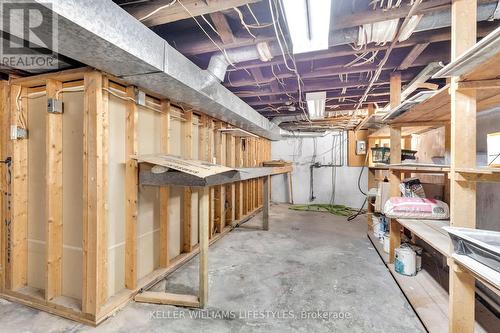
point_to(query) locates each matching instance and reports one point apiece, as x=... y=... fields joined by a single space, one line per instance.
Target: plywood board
x=201 y=169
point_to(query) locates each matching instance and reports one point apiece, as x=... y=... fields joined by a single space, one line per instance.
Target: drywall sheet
x=72 y=192
x=148 y=224
x=36 y=190
x=116 y=198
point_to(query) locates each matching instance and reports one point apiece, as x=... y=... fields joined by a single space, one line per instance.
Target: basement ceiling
x=200 y=29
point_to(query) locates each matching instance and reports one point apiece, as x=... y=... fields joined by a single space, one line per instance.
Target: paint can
x=405 y=261
x=387 y=242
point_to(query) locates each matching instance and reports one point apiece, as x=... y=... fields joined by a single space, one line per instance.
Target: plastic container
x=480 y=245
x=387 y=243
x=376 y=226
x=405 y=261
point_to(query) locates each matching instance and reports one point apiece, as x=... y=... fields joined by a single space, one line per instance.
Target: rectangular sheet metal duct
x=100 y=34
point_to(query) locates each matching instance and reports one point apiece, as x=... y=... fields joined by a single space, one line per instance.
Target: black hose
x=359 y=212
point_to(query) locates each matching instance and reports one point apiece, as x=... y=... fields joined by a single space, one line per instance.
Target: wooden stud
x=187 y=152
x=266 y=199
x=54 y=184
x=230 y=188
x=93 y=212
x=164 y=190
x=204 y=240
x=18 y=233
x=462 y=194
x=103 y=234
x=131 y=192
x=5 y=198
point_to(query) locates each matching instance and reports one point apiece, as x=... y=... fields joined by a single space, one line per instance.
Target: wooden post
x=17 y=231
x=463 y=155
x=5 y=200
x=230 y=188
x=131 y=193
x=265 y=203
x=187 y=144
x=395 y=176
x=203 y=235
x=103 y=234
x=94 y=219
x=54 y=183
x=164 y=190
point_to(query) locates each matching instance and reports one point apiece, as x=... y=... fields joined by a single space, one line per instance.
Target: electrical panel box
x=360 y=147
x=54 y=105
x=140 y=97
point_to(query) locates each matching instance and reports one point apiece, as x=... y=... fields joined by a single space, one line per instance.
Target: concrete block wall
x=300 y=151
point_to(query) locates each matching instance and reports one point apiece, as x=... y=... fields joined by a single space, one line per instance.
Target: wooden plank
x=177 y=12
x=164 y=190
x=5 y=198
x=394 y=179
x=94 y=222
x=222 y=27
x=131 y=192
x=431 y=232
x=204 y=242
x=412 y=55
x=187 y=152
x=157 y=297
x=54 y=184
x=103 y=234
x=266 y=203
x=17 y=254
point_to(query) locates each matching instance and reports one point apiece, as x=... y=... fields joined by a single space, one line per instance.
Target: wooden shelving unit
x=474 y=86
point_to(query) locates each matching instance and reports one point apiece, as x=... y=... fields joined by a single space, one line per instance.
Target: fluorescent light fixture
x=316 y=103
x=308 y=23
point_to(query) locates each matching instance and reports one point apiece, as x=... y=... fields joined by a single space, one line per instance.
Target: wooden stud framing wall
x=79 y=237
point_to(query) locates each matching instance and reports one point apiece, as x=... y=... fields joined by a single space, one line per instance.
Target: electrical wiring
x=157 y=10
x=206 y=33
x=247 y=28
x=211 y=26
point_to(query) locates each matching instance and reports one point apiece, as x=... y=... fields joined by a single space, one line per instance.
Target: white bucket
x=405 y=261
x=387 y=243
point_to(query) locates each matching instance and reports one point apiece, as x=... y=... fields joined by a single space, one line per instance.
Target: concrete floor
x=307 y=265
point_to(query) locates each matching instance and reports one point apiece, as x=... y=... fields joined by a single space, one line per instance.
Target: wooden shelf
x=431 y=232
x=438 y=107
x=379 y=167
x=384 y=132
x=414 y=168
x=479 y=174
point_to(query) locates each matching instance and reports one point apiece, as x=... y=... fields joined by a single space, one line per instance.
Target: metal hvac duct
x=102 y=35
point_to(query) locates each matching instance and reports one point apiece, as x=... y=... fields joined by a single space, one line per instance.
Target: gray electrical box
x=140 y=97
x=54 y=105
x=360 y=147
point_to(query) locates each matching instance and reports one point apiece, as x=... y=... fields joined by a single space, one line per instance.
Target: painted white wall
x=300 y=151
